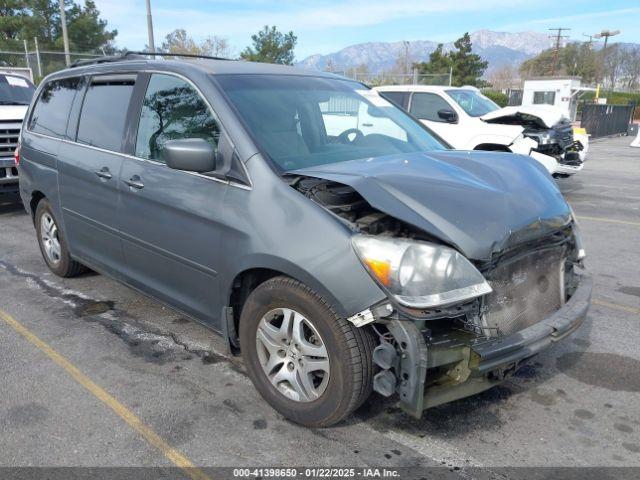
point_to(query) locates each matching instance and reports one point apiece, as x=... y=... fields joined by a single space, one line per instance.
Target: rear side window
x=51 y=111
x=104 y=111
x=400 y=99
x=172 y=109
x=425 y=106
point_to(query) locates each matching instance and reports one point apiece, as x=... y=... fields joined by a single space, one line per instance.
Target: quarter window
x=104 y=111
x=172 y=109
x=51 y=111
x=397 y=98
x=425 y=106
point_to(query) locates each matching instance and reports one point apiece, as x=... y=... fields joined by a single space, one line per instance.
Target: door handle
x=104 y=173
x=135 y=182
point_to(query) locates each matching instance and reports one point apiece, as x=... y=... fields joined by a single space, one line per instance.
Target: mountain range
x=498 y=48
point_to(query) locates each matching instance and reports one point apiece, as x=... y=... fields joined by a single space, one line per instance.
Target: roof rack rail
x=137 y=56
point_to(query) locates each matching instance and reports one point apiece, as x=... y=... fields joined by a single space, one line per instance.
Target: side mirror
x=448 y=116
x=189 y=154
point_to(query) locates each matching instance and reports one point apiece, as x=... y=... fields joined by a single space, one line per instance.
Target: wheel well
x=242 y=286
x=492 y=147
x=35 y=199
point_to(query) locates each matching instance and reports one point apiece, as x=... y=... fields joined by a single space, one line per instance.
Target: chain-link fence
x=41 y=62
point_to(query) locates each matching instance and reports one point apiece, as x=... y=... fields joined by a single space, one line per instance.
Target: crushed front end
x=433 y=356
x=559 y=142
x=480 y=259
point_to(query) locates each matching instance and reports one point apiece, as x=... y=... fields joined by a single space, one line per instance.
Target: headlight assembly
x=419 y=274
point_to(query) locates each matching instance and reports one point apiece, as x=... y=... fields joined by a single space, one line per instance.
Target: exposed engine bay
x=350 y=206
x=432 y=356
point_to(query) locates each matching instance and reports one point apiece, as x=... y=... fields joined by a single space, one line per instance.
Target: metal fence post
x=35 y=39
x=26 y=53
x=450 y=75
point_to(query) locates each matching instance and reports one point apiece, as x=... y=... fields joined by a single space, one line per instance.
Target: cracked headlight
x=419 y=274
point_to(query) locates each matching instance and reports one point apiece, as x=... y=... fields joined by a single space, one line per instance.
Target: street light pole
x=605 y=34
x=152 y=47
x=65 y=36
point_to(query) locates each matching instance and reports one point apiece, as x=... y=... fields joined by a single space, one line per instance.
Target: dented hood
x=540 y=116
x=478 y=202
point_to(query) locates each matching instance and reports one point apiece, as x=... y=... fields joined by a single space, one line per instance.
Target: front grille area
x=526 y=290
x=8 y=172
x=9 y=134
x=564 y=132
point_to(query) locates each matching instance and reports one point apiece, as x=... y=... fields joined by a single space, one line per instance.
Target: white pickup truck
x=15 y=95
x=468 y=120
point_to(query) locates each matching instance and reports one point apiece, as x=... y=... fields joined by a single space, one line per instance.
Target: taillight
x=16 y=155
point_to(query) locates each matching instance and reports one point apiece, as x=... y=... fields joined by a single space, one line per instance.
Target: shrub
x=500 y=98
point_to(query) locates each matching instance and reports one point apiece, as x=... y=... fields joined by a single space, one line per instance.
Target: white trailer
x=560 y=92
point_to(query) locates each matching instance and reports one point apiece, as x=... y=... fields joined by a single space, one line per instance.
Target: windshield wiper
x=10 y=102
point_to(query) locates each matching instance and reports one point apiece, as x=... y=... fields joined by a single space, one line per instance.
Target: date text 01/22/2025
x=367 y=472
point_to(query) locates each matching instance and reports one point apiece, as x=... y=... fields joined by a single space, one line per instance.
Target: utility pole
x=26 y=53
x=152 y=47
x=556 y=51
x=590 y=41
x=35 y=40
x=65 y=36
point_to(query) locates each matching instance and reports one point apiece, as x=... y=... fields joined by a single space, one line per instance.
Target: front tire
x=52 y=243
x=312 y=366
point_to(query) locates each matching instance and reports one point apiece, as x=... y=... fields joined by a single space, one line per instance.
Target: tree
x=631 y=68
x=612 y=63
x=439 y=62
x=24 y=20
x=573 y=59
x=87 y=31
x=467 y=67
x=179 y=41
x=504 y=77
x=271 y=46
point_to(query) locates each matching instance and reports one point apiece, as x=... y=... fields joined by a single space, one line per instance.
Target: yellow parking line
x=623 y=308
x=610 y=220
x=123 y=412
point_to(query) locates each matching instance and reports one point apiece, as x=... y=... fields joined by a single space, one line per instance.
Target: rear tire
x=52 y=243
x=349 y=351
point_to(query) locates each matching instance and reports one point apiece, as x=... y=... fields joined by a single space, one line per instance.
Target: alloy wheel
x=292 y=354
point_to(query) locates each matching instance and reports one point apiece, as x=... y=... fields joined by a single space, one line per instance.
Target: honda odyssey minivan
x=336 y=259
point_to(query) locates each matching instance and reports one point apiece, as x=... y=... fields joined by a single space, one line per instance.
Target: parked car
x=468 y=120
x=15 y=94
x=336 y=261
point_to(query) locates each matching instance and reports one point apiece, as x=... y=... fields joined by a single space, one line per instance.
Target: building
x=561 y=92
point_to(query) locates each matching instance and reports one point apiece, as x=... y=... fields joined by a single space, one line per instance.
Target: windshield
x=15 y=90
x=301 y=121
x=472 y=102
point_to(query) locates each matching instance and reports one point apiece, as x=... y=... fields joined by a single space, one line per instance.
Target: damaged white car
x=468 y=120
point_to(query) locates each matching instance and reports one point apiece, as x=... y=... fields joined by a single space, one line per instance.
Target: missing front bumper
x=477 y=365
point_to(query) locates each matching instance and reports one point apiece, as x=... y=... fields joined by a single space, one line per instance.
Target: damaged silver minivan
x=336 y=259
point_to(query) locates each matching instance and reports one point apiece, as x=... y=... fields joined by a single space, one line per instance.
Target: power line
x=558 y=37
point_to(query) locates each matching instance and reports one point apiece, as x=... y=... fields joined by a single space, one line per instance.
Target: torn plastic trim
x=371 y=314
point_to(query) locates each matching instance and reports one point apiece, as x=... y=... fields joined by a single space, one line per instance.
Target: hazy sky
x=325 y=26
